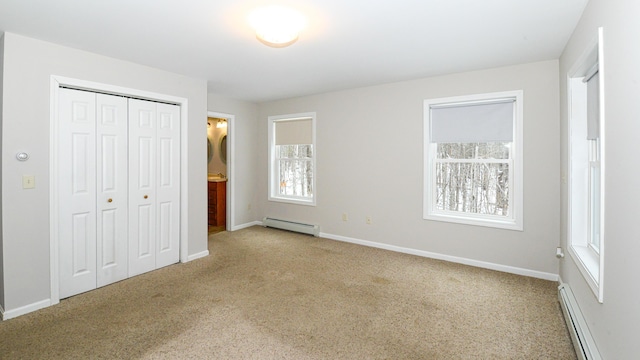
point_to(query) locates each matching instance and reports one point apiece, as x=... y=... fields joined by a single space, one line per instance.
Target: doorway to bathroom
x=218 y=172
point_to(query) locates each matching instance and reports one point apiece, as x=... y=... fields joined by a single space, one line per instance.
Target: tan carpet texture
x=270 y=294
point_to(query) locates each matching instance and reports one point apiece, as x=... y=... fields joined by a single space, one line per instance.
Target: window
x=292 y=154
x=586 y=166
x=473 y=160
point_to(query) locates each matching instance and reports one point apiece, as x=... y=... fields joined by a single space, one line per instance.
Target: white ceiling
x=347 y=43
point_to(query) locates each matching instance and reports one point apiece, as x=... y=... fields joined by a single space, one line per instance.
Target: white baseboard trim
x=454 y=259
x=10 y=314
x=198 y=255
x=246 y=225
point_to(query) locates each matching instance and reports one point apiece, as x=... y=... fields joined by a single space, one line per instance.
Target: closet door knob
x=146 y=196
x=110 y=200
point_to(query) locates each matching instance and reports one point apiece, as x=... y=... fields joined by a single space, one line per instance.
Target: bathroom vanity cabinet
x=217 y=203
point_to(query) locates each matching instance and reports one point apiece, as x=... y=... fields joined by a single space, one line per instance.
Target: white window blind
x=469 y=123
x=593 y=106
x=294 y=132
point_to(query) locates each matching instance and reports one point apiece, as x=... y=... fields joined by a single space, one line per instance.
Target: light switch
x=28 y=181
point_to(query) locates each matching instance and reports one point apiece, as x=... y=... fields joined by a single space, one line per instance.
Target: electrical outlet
x=368 y=220
x=345 y=217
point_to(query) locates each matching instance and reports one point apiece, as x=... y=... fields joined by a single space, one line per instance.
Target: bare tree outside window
x=295 y=169
x=473 y=177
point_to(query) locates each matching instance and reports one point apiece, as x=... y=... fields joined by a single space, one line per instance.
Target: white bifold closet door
x=106 y=233
x=93 y=190
x=154 y=185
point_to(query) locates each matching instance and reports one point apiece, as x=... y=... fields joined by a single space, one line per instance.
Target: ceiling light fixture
x=277 y=26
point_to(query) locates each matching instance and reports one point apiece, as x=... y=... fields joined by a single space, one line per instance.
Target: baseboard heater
x=580 y=335
x=291 y=226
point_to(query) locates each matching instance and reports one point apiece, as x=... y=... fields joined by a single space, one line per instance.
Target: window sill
x=508 y=224
x=588 y=263
x=295 y=201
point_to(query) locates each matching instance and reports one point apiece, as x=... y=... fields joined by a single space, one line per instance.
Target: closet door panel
x=112 y=204
x=77 y=192
x=142 y=188
x=145 y=231
x=168 y=184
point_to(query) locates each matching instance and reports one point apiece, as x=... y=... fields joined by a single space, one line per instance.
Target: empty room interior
x=350 y=158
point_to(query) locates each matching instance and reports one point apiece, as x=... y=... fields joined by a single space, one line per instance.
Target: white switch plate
x=28 y=181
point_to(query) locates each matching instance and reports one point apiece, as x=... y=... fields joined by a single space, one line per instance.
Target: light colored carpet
x=270 y=294
x=215 y=229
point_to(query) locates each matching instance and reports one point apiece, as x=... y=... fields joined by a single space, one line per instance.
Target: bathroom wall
x=215 y=134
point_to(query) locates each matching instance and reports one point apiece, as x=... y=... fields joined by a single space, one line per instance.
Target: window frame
x=594 y=192
x=273 y=167
x=580 y=160
x=514 y=221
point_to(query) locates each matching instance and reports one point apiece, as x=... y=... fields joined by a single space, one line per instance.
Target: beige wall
x=615 y=324
x=369 y=163
x=242 y=143
x=28 y=65
x=2 y=303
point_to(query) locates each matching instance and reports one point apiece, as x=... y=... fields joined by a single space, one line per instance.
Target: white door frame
x=230 y=166
x=55 y=84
